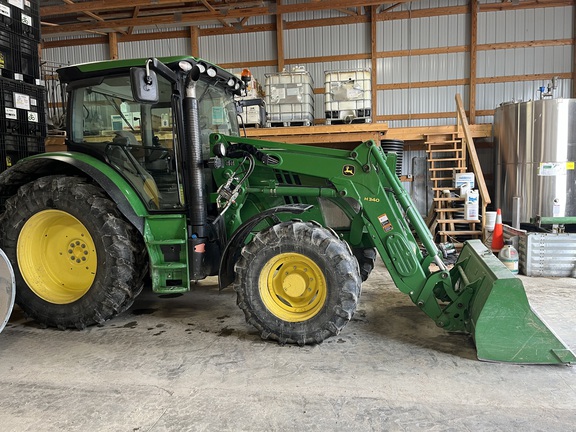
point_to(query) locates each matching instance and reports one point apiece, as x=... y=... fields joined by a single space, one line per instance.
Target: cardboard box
x=462 y=179
x=55 y=143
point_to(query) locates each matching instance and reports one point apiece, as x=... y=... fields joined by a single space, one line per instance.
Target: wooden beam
x=113 y=45
x=422 y=51
x=279 y=39
x=525 y=44
x=334 y=136
x=199 y=16
x=239 y=13
x=330 y=4
x=526 y=4
x=101 y=5
x=419 y=133
x=248 y=64
x=515 y=78
x=91 y=15
x=423 y=13
x=424 y=84
x=219 y=31
x=134 y=15
x=326 y=22
x=107 y=5
x=216 y=14
x=174 y=19
x=473 y=57
x=195 y=41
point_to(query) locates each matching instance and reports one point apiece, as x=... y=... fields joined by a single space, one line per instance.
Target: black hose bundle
x=235 y=151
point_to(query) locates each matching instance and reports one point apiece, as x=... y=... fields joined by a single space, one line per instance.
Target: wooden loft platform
x=348 y=136
x=413 y=135
x=334 y=136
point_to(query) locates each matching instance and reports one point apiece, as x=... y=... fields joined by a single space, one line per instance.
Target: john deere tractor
x=157 y=181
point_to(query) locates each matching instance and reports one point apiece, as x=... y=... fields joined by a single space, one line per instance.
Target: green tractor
x=158 y=182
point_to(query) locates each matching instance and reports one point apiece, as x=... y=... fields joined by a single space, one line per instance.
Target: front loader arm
x=386 y=210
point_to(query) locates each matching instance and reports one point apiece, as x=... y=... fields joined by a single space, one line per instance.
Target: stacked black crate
x=22 y=93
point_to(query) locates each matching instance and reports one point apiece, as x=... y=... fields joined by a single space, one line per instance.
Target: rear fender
x=68 y=163
x=236 y=243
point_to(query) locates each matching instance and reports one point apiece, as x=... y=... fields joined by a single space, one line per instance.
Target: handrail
x=472 y=151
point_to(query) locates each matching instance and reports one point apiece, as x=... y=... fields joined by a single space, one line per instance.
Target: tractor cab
x=144 y=141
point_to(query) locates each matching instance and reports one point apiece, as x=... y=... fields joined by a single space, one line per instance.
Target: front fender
x=236 y=243
x=72 y=163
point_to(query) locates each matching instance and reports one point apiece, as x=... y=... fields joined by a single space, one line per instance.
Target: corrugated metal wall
x=523 y=26
x=393 y=35
x=75 y=54
x=155 y=48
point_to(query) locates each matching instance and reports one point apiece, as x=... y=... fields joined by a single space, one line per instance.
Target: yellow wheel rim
x=292 y=287
x=56 y=256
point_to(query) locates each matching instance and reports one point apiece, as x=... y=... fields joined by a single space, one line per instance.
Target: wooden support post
x=279 y=39
x=473 y=50
x=194 y=38
x=113 y=45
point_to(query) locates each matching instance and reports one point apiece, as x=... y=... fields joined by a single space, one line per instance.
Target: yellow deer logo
x=348 y=170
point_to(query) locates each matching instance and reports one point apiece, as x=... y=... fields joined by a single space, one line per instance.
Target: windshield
x=141 y=141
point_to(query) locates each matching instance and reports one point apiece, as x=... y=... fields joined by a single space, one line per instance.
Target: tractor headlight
x=219 y=149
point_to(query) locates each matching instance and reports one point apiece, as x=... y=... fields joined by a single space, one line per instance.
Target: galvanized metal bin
x=290 y=98
x=544 y=254
x=348 y=96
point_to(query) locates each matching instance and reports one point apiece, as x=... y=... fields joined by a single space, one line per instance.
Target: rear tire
x=77 y=262
x=366 y=260
x=297 y=283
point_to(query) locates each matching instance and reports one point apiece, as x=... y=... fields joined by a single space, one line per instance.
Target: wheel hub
x=56 y=256
x=292 y=287
x=77 y=251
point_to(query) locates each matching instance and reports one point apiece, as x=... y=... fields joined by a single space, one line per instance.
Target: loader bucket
x=502 y=323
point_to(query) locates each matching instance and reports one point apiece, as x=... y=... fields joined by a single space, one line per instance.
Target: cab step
x=171 y=290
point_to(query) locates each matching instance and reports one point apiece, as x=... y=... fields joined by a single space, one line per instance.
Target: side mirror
x=144 y=84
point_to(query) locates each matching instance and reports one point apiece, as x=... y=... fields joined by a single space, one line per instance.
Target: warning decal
x=385 y=222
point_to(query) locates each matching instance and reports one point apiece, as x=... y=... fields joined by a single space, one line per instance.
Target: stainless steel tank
x=536 y=151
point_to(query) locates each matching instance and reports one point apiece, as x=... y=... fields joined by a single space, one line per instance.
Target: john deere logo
x=348 y=170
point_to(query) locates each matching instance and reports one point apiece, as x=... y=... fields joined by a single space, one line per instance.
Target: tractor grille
x=285 y=178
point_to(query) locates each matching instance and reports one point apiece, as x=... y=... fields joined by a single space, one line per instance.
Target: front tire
x=297 y=282
x=77 y=262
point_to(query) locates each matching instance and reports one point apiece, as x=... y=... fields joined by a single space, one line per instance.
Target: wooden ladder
x=446 y=155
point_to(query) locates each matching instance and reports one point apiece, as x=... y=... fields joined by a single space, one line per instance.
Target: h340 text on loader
x=157 y=181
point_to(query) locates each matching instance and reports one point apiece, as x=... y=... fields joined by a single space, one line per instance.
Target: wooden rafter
x=128 y=14
x=91 y=15
x=211 y=12
x=134 y=15
x=215 y=13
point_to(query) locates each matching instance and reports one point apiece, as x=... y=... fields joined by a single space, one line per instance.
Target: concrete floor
x=193 y=364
